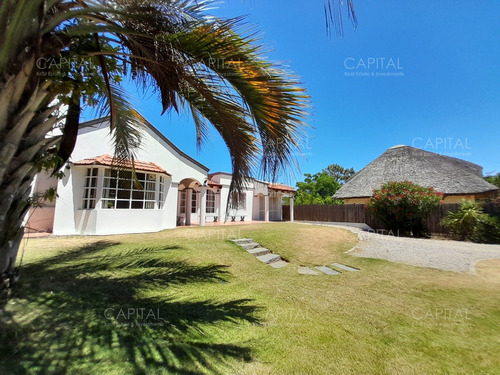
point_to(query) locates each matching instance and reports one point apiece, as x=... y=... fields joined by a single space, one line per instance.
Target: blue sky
x=444 y=97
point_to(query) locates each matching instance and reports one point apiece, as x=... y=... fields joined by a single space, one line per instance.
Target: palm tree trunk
x=25 y=119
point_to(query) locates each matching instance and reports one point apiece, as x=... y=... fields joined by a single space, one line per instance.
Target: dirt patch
x=489 y=270
x=320 y=244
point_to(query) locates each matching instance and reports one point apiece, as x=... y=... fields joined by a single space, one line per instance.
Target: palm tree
x=69 y=54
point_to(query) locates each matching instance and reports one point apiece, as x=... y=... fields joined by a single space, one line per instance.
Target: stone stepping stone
x=250 y=245
x=327 y=270
x=344 y=267
x=259 y=251
x=240 y=241
x=307 y=271
x=279 y=264
x=269 y=258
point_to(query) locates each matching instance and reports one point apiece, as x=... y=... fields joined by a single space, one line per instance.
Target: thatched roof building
x=455 y=178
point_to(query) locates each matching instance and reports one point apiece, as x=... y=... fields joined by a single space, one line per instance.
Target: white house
x=174 y=189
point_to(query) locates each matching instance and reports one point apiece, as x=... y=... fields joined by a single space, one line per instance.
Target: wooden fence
x=358 y=213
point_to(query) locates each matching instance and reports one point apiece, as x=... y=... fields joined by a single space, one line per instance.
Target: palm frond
x=126 y=131
x=213 y=65
x=333 y=16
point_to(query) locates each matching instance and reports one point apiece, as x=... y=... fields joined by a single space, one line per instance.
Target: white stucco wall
x=70 y=218
x=225 y=180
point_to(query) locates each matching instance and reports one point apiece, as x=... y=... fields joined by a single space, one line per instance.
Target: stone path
x=328 y=270
x=307 y=271
x=344 y=267
x=261 y=253
x=274 y=260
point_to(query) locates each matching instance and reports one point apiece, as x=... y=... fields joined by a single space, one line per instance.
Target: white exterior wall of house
x=184 y=174
x=224 y=179
x=260 y=192
x=93 y=141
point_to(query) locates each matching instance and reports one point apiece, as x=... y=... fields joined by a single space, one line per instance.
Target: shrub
x=471 y=223
x=403 y=206
x=487 y=230
x=461 y=224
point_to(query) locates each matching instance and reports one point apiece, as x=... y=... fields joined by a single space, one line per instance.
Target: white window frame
x=194 y=201
x=182 y=204
x=210 y=202
x=120 y=192
x=90 y=189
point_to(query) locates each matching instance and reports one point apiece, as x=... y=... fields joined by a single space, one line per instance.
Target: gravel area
x=445 y=255
x=442 y=254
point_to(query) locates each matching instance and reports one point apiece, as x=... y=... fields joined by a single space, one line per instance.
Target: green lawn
x=189 y=301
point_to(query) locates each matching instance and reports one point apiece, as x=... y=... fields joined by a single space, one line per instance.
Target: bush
x=461 y=224
x=487 y=230
x=403 y=206
x=471 y=223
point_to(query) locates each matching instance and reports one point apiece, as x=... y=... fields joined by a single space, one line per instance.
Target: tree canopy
x=319 y=188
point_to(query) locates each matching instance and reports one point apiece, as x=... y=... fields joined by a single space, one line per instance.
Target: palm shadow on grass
x=102 y=310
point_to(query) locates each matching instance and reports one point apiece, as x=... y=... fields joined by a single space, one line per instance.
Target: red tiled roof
x=281 y=187
x=213 y=184
x=108 y=160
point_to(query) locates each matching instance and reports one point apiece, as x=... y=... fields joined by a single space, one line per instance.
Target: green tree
x=403 y=206
x=340 y=173
x=56 y=53
x=495 y=179
x=316 y=189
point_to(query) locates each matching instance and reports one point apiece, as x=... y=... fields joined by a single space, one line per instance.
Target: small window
x=90 y=189
x=161 y=192
x=182 y=208
x=193 y=202
x=210 y=202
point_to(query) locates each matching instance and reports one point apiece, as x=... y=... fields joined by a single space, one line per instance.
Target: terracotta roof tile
x=213 y=184
x=108 y=160
x=281 y=187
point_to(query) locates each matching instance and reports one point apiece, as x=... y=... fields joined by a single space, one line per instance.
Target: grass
x=188 y=301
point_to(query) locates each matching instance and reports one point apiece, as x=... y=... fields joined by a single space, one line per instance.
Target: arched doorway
x=188 y=202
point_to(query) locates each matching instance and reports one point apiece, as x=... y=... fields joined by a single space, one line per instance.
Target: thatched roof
x=447 y=175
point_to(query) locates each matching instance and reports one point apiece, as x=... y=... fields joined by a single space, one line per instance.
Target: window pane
x=109 y=193
x=108 y=182
x=136 y=194
x=108 y=204
x=122 y=204
x=137 y=204
x=124 y=184
x=123 y=194
x=125 y=175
